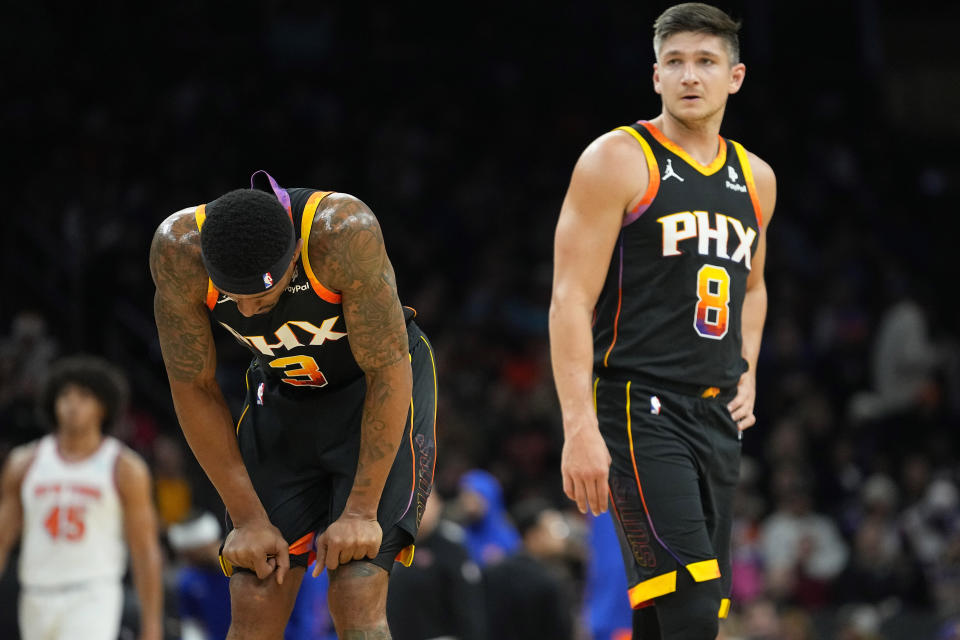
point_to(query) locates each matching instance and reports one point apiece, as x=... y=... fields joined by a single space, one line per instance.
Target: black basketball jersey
x=671 y=305
x=302 y=341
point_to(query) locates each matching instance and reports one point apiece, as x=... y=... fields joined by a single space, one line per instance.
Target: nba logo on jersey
x=260 y=394
x=267 y=280
x=655 y=405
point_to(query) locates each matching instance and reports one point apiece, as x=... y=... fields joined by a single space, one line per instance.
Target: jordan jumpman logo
x=669 y=172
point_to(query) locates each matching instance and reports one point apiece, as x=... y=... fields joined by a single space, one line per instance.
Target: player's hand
x=741 y=407
x=259 y=546
x=350 y=537
x=585 y=465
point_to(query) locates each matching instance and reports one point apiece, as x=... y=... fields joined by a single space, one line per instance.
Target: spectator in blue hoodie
x=479 y=508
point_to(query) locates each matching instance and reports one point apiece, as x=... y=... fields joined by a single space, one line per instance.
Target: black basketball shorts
x=676 y=460
x=301 y=452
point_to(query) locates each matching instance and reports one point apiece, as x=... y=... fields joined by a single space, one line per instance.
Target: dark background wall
x=459 y=126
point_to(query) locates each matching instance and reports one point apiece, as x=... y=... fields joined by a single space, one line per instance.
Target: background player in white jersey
x=78 y=499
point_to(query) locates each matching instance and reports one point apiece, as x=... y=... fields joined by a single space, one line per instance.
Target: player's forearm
x=5 y=546
x=147 y=569
x=754 y=315
x=208 y=427
x=11 y=522
x=385 y=408
x=571 y=354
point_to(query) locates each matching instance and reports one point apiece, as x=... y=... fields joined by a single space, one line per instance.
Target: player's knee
x=357 y=597
x=258 y=608
x=691 y=614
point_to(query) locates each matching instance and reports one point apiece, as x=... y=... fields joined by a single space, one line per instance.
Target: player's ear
x=656 y=78
x=737 y=73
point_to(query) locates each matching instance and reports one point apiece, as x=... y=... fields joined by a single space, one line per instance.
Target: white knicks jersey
x=72 y=518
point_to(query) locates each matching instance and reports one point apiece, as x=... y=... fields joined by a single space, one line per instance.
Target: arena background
x=459 y=126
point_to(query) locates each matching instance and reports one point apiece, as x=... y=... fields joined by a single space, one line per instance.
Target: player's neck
x=78 y=443
x=699 y=139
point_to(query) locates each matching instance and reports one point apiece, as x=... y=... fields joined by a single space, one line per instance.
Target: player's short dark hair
x=699 y=18
x=104 y=380
x=246 y=232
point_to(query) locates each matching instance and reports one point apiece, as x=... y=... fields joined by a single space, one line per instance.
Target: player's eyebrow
x=698 y=52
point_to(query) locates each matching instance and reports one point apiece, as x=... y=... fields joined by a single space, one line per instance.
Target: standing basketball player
x=78 y=499
x=660 y=247
x=334 y=451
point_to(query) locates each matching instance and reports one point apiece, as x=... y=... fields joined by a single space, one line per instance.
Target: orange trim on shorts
x=302 y=545
x=704 y=570
x=225 y=565
x=405 y=555
x=710 y=392
x=306 y=222
x=724 y=608
x=670 y=145
x=653 y=588
x=748 y=178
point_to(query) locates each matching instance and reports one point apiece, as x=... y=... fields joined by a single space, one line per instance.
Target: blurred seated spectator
x=528 y=593
x=440 y=595
x=25 y=357
x=858 y=622
x=746 y=560
x=171 y=486
x=903 y=365
x=881 y=567
x=803 y=550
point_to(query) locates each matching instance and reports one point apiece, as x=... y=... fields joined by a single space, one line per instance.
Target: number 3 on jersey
x=65 y=523
x=713 y=302
x=301 y=371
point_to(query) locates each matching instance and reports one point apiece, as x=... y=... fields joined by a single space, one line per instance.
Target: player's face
x=77 y=408
x=694 y=76
x=257 y=304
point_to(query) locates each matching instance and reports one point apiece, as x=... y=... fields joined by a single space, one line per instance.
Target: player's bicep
x=186 y=340
x=587 y=229
x=354 y=257
x=183 y=326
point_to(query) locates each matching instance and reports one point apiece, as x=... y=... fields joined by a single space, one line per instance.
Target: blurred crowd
x=848 y=512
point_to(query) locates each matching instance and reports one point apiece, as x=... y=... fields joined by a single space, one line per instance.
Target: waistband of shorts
x=66 y=587
x=672 y=386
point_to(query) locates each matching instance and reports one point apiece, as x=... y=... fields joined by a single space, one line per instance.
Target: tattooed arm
x=347 y=247
x=190 y=359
